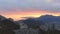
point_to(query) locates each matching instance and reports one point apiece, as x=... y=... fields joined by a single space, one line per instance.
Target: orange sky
x=16 y=15
x=29 y=8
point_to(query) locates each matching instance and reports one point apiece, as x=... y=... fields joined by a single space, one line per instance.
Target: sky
x=29 y=8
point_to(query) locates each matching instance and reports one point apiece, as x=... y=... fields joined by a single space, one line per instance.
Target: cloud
x=48 y=1
x=53 y=5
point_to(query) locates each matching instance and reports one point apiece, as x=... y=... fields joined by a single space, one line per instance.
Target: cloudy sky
x=29 y=8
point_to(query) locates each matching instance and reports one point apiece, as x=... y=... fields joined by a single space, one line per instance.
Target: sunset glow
x=29 y=8
x=17 y=15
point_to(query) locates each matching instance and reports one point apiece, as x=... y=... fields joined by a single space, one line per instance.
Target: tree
x=8 y=26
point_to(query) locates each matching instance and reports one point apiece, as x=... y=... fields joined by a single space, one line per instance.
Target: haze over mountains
x=48 y=20
x=42 y=20
x=45 y=18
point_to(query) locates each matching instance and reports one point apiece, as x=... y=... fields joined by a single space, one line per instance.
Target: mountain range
x=42 y=20
x=49 y=18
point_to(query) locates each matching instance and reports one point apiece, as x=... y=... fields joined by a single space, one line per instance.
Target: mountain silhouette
x=49 y=18
x=2 y=17
x=43 y=20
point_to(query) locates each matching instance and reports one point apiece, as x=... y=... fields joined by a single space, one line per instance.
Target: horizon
x=23 y=18
x=29 y=8
x=29 y=16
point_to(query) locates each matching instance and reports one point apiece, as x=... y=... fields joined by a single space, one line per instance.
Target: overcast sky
x=34 y=4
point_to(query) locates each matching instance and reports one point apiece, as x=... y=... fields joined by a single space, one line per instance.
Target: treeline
x=7 y=26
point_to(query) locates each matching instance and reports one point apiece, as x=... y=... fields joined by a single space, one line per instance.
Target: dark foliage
x=8 y=26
